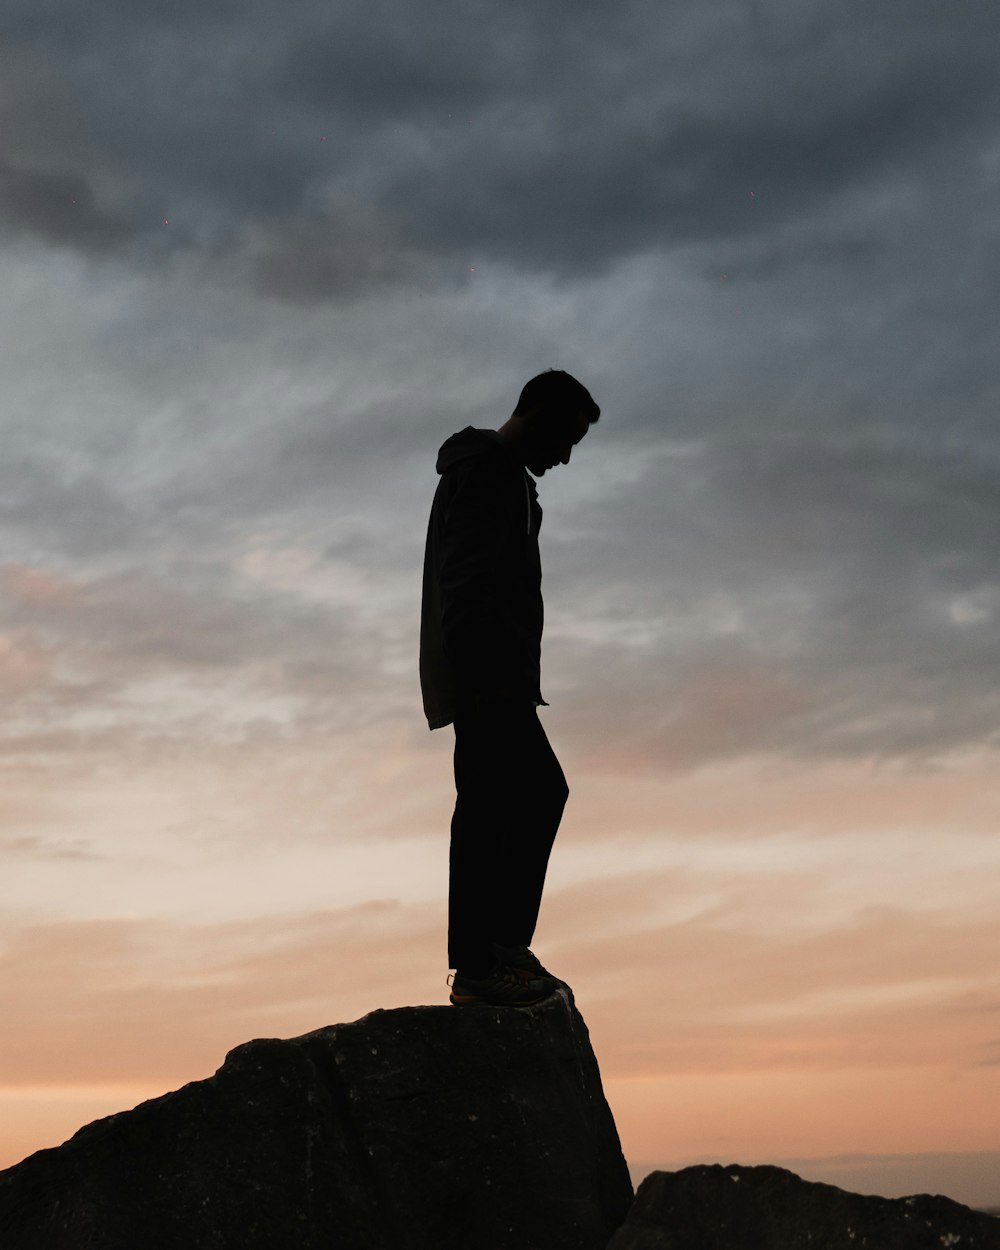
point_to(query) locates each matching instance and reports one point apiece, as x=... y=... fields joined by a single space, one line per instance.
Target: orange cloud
x=25 y=665
x=133 y=999
x=36 y=587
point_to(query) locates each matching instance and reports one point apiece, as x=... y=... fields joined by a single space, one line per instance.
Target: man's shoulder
x=476 y=453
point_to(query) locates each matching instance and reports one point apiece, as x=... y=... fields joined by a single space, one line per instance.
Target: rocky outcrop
x=767 y=1208
x=418 y=1128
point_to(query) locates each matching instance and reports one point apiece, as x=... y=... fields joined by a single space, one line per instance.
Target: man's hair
x=558 y=392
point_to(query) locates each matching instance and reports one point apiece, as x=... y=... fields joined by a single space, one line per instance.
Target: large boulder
x=710 y=1207
x=418 y=1128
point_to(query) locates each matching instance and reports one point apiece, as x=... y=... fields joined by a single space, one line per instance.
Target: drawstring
x=527 y=499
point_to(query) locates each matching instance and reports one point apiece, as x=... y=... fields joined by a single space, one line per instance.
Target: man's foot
x=503 y=987
x=521 y=960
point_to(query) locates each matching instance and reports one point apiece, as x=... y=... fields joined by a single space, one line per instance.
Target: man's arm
x=475 y=604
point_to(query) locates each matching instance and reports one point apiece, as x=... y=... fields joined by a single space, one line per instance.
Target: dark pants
x=511 y=792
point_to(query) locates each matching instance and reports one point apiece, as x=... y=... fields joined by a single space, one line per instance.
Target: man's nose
x=564 y=458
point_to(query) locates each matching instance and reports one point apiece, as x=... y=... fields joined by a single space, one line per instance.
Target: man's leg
x=539 y=793
x=475 y=829
x=511 y=792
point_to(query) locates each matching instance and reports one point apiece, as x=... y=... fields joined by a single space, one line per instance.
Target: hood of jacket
x=469 y=443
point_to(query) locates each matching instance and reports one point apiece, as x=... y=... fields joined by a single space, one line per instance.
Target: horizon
x=258 y=268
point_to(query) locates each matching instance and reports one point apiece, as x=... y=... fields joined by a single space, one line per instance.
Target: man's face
x=551 y=439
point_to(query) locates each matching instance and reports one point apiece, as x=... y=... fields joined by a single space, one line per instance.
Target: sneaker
x=522 y=961
x=502 y=988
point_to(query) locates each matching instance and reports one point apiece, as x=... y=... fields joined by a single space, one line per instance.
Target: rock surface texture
x=418 y=1128
x=767 y=1208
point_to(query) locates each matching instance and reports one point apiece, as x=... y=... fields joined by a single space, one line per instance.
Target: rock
x=767 y=1208
x=418 y=1128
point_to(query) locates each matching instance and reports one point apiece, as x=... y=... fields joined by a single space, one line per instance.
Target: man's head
x=553 y=414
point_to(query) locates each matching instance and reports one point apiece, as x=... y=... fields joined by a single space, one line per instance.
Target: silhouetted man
x=480 y=648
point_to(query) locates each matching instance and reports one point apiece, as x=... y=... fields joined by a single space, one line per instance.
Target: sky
x=259 y=263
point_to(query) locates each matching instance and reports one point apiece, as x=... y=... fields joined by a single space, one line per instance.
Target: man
x=480 y=648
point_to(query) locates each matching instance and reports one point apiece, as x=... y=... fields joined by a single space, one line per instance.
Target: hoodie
x=481 y=616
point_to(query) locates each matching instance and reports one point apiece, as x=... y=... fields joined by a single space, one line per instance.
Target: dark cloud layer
x=60 y=208
x=764 y=234
x=386 y=149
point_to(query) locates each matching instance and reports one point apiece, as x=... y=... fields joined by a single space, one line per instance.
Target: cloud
x=790 y=553
x=346 y=249
x=61 y=208
x=42 y=848
x=194 y=646
x=55 y=183
x=79 y=511
x=30 y=587
x=523 y=139
x=796 y=593
x=96 y=997
x=373 y=72
x=24 y=666
x=889 y=987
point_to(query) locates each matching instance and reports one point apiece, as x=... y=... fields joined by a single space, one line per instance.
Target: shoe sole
x=475 y=1000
